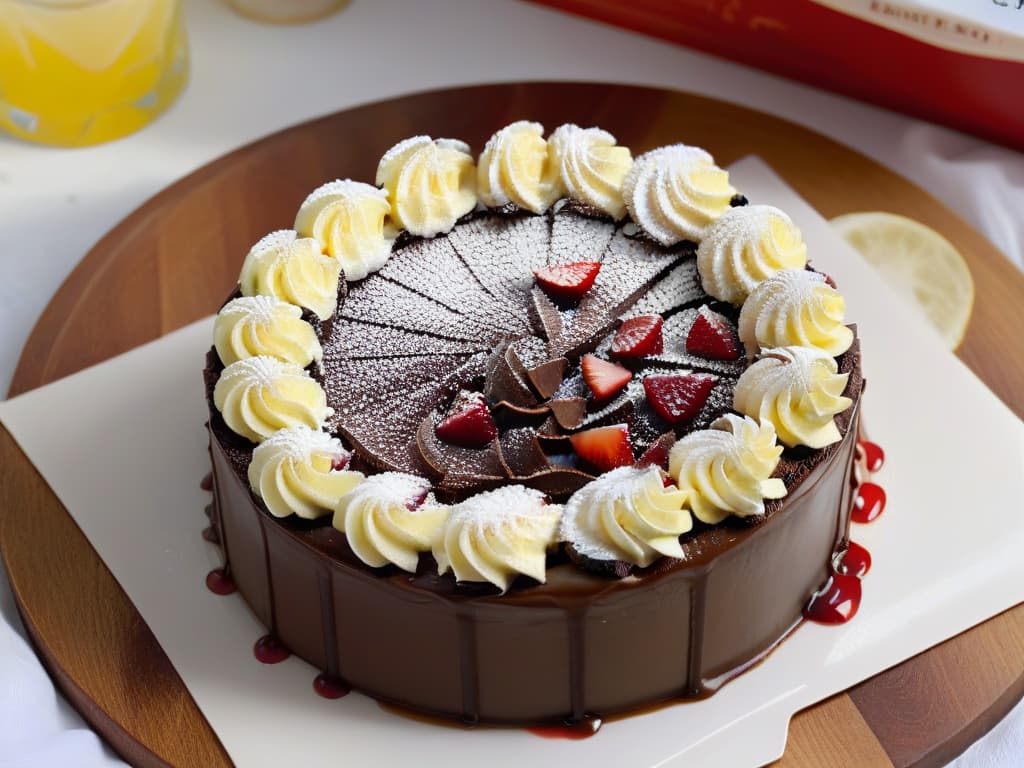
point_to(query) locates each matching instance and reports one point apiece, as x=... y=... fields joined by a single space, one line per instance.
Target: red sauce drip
x=874 y=456
x=856 y=561
x=210 y=534
x=330 y=687
x=220 y=582
x=583 y=729
x=868 y=504
x=837 y=602
x=206 y=483
x=270 y=651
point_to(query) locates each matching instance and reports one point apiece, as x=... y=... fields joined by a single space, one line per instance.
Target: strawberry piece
x=712 y=336
x=638 y=337
x=678 y=398
x=605 y=448
x=657 y=452
x=603 y=377
x=469 y=423
x=341 y=461
x=567 y=282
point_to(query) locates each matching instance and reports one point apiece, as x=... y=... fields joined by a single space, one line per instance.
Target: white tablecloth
x=249 y=80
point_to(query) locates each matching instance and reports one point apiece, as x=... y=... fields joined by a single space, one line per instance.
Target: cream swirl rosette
x=263 y=325
x=797 y=389
x=515 y=167
x=745 y=246
x=391 y=518
x=591 y=166
x=727 y=469
x=292 y=269
x=260 y=395
x=675 y=193
x=627 y=514
x=495 y=535
x=348 y=219
x=293 y=471
x=795 y=307
x=430 y=184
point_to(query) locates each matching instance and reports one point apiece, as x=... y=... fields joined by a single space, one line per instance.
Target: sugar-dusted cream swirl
x=591 y=166
x=795 y=307
x=727 y=469
x=745 y=246
x=260 y=395
x=495 y=535
x=292 y=269
x=797 y=389
x=430 y=184
x=348 y=219
x=293 y=472
x=627 y=514
x=675 y=193
x=264 y=325
x=391 y=518
x=515 y=168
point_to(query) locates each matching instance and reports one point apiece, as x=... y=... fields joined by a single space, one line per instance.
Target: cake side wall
x=549 y=653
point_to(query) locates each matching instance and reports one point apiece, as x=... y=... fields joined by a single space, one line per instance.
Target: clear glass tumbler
x=79 y=72
x=287 y=11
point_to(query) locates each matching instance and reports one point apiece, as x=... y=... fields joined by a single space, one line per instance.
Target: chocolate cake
x=557 y=435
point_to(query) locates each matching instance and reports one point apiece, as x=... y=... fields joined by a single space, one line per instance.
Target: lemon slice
x=919 y=263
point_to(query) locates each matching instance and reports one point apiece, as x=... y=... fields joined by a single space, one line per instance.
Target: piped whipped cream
x=349 y=221
x=797 y=389
x=745 y=246
x=495 y=535
x=515 y=167
x=795 y=307
x=260 y=395
x=675 y=193
x=727 y=469
x=627 y=514
x=391 y=518
x=264 y=325
x=591 y=166
x=430 y=184
x=293 y=472
x=292 y=269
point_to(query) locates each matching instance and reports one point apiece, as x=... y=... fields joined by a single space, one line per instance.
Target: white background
x=249 y=80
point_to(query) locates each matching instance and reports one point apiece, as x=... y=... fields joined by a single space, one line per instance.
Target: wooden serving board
x=174 y=260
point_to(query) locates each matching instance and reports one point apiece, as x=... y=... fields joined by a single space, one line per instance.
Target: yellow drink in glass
x=78 y=72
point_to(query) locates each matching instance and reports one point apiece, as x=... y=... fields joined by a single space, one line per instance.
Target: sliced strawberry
x=678 y=397
x=604 y=448
x=638 y=337
x=567 y=282
x=341 y=460
x=712 y=336
x=657 y=452
x=604 y=378
x=469 y=422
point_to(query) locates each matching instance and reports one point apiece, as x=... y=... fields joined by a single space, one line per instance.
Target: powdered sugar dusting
x=258 y=309
x=500 y=507
x=344 y=189
x=577 y=238
x=279 y=239
x=299 y=443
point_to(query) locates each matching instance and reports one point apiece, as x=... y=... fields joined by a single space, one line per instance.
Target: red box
x=806 y=41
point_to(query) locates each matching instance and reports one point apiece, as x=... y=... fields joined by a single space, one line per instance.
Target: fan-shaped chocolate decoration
x=463 y=311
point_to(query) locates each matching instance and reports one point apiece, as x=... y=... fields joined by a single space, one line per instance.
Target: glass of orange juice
x=78 y=72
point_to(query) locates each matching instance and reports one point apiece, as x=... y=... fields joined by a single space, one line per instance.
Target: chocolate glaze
x=580 y=644
x=590 y=641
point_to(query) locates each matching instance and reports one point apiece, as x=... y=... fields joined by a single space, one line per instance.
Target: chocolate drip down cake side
x=547 y=436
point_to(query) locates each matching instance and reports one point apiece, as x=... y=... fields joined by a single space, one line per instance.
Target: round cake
x=549 y=435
